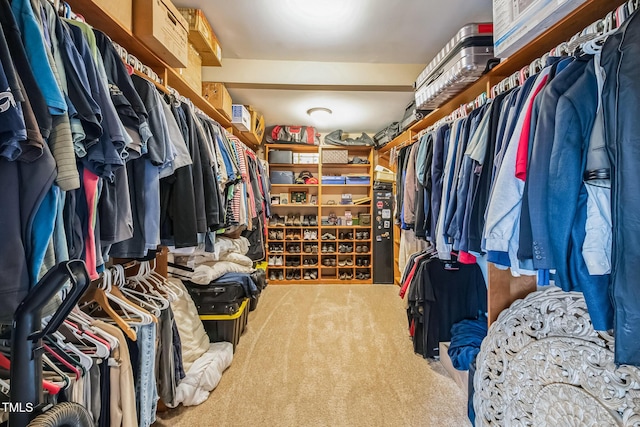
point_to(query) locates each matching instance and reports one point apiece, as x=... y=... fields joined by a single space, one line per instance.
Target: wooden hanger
x=98 y=295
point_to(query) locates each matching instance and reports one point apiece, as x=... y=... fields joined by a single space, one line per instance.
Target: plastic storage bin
x=223 y=327
x=281 y=177
x=281 y=156
x=358 y=180
x=333 y=180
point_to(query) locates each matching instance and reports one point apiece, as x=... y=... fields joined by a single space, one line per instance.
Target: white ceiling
x=357 y=57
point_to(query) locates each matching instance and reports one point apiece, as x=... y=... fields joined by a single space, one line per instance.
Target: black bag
x=217 y=298
x=412 y=115
x=387 y=134
x=256 y=240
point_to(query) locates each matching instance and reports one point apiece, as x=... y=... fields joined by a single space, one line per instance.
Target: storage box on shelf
x=202 y=36
x=120 y=10
x=240 y=117
x=256 y=131
x=192 y=75
x=218 y=95
x=161 y=27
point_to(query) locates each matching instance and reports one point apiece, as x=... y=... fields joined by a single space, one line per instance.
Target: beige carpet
x=320 y=355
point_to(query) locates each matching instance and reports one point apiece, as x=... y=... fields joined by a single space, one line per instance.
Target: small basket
x=364 y=219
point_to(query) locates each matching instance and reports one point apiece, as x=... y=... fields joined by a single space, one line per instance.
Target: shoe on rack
x=280 y=260
x=365 y=235
x=358 y=262
x=307 y=235
x=305 y=262
x=313 y=220
x=342 y=262
x=272 y=235
x=313 y=275
x=325 y=249
x=349 y=262
x=359 y=235
x=305 y=221
x=358 y=249
x=365 y=249
x=341 y=236
x=350 y=235
x=272 y=275
x=279 y=234
x=314 y=235
x=331 y=248
x=273 y=221
x=365 y=262
x=307 y=276
x=334 y=262
x=289 y=274
x=297 y=275
x=280 y=275
x=307 y=249
x=296 y=221
x=314 y=249
x=272 y=260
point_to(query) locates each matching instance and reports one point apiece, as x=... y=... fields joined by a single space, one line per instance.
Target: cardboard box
x=516 y=23
x=163 y=29
x=256 y=133
x=202 y=36
x=218 y=96
x=121 y=10
x=192 y=75
x=240 y=117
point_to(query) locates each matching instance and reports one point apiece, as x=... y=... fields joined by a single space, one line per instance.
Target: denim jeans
x=146 y=390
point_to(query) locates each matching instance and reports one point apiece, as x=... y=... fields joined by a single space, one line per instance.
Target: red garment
x=522 y=156
x=405 y=285
x=466 y=258
x=91 y=193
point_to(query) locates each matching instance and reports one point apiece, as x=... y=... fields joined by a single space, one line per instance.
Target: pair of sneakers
x=328 y=236
x=346 y=275
x=276 y=234
x=276 y=261
x=345 y=262
x=310 y=249
x=276 y=249
x=328 y=248
x=362 y=249
x=276 y=275
x=310 y=235
x=310 y=275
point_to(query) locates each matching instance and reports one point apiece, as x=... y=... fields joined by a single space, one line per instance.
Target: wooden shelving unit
x=107 y=23
x=327 y=264
x=504 y=289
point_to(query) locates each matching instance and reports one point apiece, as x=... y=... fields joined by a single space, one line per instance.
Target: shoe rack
x=305 y=244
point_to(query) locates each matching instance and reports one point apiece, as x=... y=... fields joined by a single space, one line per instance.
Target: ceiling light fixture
x=319 y=112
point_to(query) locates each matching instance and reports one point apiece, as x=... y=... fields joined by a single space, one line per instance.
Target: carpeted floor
x=328 y=356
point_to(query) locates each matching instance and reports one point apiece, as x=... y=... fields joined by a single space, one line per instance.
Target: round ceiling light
x=319 y=112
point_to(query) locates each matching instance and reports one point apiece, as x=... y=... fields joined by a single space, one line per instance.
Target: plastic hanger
x=101 y=348
x=46 y=385
x=145 y=299
x=85 y=361
x=61 y=359
x=129 y=308
x=98 y=294
x=65 y=378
